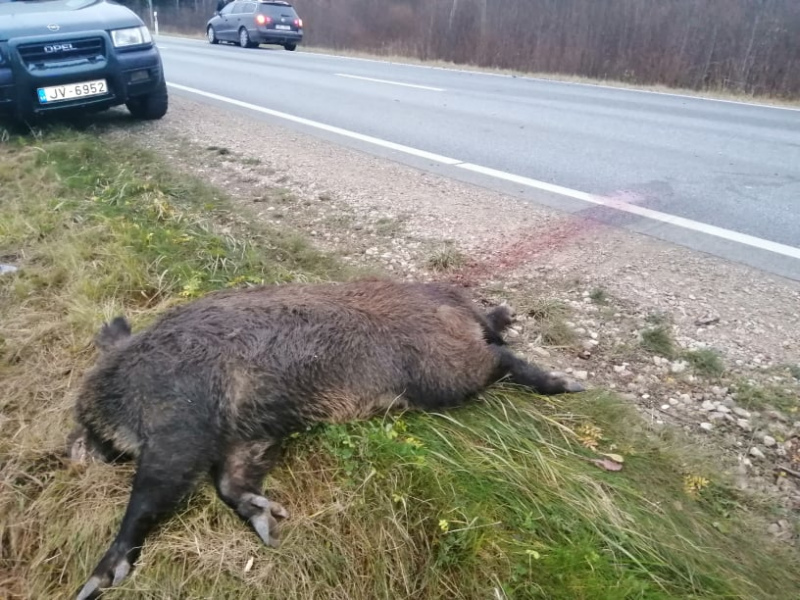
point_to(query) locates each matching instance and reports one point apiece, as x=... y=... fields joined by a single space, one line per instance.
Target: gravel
x=612 y=283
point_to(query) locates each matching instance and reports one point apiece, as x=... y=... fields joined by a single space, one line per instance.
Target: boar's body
x=260 y=363
x=215 y=385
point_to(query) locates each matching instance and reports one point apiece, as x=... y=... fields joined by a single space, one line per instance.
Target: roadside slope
x=597 y=297
x=500 y=499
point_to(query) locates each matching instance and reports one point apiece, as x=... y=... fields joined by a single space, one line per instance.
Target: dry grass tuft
x=446 y=258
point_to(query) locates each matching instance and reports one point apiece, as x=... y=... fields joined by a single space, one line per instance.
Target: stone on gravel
x=679 y=366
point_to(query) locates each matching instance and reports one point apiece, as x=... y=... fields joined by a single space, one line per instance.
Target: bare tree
x=748 y=46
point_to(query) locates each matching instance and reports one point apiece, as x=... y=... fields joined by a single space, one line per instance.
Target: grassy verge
x=393 y=56
x=497 y=500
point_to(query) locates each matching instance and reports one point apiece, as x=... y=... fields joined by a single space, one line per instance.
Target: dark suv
x=255 y=22
x=85 y=55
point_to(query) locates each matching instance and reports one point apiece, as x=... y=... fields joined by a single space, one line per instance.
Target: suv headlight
x=131 y=36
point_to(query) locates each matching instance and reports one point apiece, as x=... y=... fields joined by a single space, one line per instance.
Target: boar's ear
x=112 y=333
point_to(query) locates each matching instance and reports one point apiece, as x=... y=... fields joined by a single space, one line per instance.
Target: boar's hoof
x=573 y=387
x=264 y=520
x=94 y=586
x=90 y=590
x=78 y=452
x=78 y=449
x=567 y=385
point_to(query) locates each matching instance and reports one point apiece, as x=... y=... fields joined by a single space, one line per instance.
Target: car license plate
x=70 y=91
x=283 y=27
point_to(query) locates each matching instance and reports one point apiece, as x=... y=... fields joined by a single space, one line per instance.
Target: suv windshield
x=10 y=7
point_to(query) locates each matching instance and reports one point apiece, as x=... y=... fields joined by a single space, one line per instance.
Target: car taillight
x=298 y=23
x=262 y=20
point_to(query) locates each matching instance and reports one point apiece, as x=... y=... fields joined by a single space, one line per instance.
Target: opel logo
x=58 y=48
x=54 y=27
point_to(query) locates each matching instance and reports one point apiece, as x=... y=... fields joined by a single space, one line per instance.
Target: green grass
x=390 y=227
x=763 y=396
x=549 y=317
x=658 y=340
x=599 y=296
x=219 y=150
x=657 y=318
x=497 y=500
x=705 y=362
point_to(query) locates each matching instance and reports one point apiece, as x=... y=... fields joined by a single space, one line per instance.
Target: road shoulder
x=694 y=341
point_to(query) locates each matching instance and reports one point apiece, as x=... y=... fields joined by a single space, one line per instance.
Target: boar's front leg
x=164 y=476
x=238 y=479
x=530 y=375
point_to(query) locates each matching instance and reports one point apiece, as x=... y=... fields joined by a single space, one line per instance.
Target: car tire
x=212 y=35
x=244 y=39
x=151 y=107
x=290 y=47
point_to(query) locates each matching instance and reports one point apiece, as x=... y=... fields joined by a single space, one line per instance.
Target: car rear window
x=277 y=9
x=244 y=8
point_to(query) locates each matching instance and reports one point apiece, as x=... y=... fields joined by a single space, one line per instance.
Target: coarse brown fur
x=217 y=384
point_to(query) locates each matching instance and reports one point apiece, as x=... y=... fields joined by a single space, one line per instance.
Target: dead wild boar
x=215 y=385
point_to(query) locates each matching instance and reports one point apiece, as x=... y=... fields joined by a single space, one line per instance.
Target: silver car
x=255 y=22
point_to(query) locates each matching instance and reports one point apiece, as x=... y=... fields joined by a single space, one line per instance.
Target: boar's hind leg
x=164 y=476
x=529 y=375
x=494 y=323
x=238 y=480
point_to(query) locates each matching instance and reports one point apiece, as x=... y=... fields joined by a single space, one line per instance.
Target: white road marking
x=712 y=230
x=329 y=128
x=530 y=78
x=726 y=234
x=411 y=85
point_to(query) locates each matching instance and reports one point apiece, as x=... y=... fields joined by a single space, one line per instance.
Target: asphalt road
x=720 y=177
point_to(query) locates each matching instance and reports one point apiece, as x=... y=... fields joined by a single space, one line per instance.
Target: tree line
x=746 y=46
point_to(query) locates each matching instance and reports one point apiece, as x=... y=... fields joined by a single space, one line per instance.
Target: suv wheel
x=290 y=47
x=212 y=35
x=244 y=39
x=151 y=107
